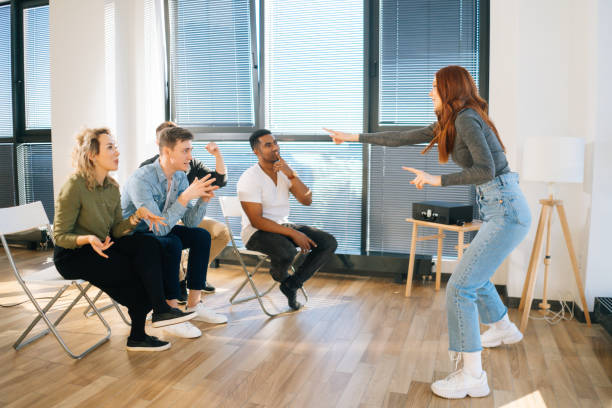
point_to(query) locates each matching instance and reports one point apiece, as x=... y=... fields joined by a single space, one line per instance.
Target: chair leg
x=42 y=314
x=246 y=280
x=89 y=313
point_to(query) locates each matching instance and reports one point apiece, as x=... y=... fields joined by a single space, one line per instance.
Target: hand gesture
x=281 y=165
x=143 y=213
x=302 y=240
x=201 y=188
x=423 y=178
x=98 y=245
x=339 y=137
x=213 y=149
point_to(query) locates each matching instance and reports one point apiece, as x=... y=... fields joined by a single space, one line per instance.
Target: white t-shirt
x=255 y=186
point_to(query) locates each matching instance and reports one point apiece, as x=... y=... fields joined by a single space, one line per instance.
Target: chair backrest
x=230 y=206
x=22 y=217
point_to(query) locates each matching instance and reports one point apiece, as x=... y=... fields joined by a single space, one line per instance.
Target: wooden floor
x=358 y=343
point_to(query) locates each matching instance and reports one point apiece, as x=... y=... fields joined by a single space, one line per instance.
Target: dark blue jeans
x=197 y=240
x=282 y=250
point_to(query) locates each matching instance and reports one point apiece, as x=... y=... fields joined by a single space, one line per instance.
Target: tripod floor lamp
x=552 y=160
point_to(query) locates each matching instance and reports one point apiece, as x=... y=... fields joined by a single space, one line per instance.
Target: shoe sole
x=176 y=320
x=161 y=348
x=199 y=319
x=208 y=291
x=474 y=392
x=506 y=340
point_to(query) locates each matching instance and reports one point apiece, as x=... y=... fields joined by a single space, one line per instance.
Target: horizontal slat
x=36 y=67
x=6 y=106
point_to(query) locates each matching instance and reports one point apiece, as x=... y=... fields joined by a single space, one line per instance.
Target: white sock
x=502 y=324
x=472 y=363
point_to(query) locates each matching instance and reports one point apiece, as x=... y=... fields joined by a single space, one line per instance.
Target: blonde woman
x=92 y=241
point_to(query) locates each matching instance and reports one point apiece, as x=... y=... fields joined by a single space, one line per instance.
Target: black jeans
x=179 y=238
x=282 y=250
x=131 y=274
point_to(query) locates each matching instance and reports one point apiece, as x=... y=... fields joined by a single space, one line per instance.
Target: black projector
x=442 y=212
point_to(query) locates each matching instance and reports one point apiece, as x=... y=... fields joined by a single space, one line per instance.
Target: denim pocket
x=517 y=208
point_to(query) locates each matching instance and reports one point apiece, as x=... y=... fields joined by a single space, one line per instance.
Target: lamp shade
x=553 y=160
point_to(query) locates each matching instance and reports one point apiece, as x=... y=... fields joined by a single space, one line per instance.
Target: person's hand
x=302 y=240
x=423 y=178
x=339 y=137
x=281 y=165
x=143 y=213
x=98 y=245
x=200 y=188
x=213 y=149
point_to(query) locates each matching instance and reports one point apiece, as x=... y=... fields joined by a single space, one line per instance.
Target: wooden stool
x=460 y=229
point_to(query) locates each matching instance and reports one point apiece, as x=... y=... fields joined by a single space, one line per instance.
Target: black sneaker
x=182 y=299
x=150 y=343
x=291 y=296
x=208 y=288
x=173 y=316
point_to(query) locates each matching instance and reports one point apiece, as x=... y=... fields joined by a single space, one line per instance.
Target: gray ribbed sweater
x=477 y=150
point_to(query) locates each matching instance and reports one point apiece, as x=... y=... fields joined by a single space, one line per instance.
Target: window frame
x=226 y=133
x=20 y=133
x=370 y=89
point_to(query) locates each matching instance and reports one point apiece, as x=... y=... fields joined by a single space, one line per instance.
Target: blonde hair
x=88 y=144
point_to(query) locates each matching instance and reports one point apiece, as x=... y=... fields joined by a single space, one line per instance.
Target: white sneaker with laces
x=495 y=337
x=207 y=315
x=460 y=384
x=185 y=330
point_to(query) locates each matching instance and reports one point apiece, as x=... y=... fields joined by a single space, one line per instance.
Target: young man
x=263 y=190
x=163 y=188
x=219 y=234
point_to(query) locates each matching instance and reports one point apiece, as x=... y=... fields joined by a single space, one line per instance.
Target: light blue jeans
x=470 y=292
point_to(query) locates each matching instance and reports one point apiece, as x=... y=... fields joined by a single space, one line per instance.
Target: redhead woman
x=465 y=132
x=91 y=241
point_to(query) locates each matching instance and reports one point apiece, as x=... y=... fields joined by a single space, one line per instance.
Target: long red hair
x=457 y=91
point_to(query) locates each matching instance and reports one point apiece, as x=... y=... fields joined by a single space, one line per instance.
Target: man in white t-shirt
x=263 y=190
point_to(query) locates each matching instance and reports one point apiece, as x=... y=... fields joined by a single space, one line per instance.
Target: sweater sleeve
x=199 y=169
x=471 y=131
x=399 y=137
x=67 y=208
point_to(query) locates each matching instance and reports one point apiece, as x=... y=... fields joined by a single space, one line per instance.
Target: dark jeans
x=131 y=274
x=282 y=250
x=179 y=238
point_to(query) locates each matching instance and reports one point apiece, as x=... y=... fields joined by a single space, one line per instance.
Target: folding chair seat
x=23 y=217
x=231 y=208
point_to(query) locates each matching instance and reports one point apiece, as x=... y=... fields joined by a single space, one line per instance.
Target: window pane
x=35 y=175
x=6 y=106
x=36 y=67
x=334 y=174
x=313 y=65
x=417 y=38
x=392 y=195
x=211 y=66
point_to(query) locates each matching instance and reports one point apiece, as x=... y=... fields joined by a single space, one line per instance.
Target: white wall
x=106 y=70
x=77 y=76
x=545 y=56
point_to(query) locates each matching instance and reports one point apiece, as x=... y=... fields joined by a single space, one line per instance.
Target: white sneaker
x=460 y=384
x=206 y=315
x=185 y=330
x=495 y=337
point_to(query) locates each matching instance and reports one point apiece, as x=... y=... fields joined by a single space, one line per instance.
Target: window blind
x=35 y=175
x=36 y=67
x=211 y=63
x=313 y=58
x=333 y=173
x=391 y=196
x=6 y=105
x=417 y=38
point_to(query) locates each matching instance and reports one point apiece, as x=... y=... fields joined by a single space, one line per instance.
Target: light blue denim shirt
x=148 y=187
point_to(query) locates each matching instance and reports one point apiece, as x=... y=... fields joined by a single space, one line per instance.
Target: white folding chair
x=230 y=206
x=23 y=217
